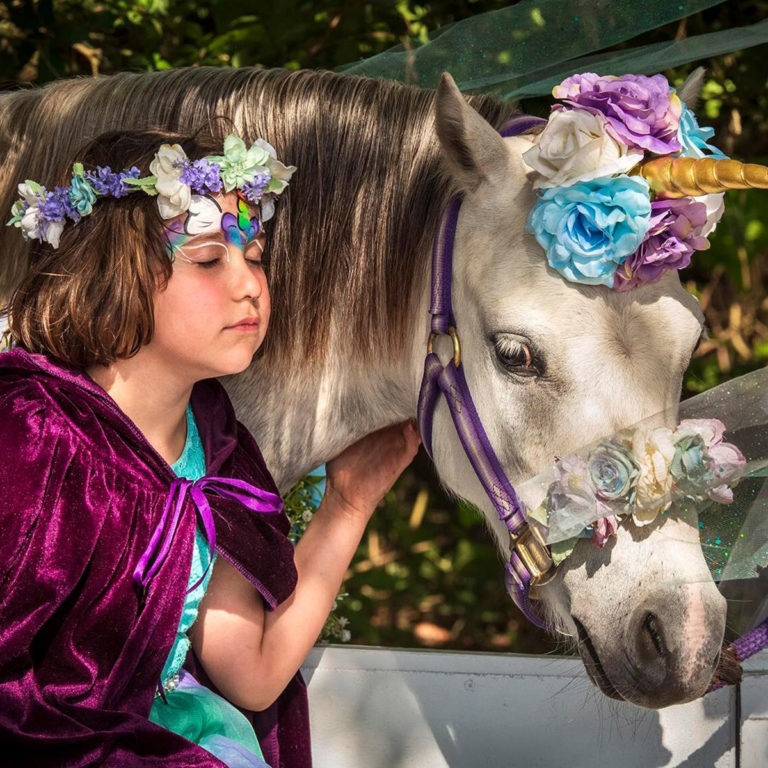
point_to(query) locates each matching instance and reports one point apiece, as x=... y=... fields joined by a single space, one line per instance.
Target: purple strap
x=450 y=380
x=755 y=640
x=442 y=266
x=478 y=448
x=254 y=498
x=520 y=124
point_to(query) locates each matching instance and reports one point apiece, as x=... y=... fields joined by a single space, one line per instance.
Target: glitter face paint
x=205 y=216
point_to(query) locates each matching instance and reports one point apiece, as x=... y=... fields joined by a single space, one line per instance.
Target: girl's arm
x=251 y=654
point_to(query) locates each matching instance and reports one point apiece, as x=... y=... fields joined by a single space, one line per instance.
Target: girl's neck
x=153 y=401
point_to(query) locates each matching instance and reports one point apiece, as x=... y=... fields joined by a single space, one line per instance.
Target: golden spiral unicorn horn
x=689 y=176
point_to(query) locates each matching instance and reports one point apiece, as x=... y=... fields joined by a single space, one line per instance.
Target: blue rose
x=691 y=467
x=81 y=195
x=694 y=138
x=590 y=228
x=612 y=472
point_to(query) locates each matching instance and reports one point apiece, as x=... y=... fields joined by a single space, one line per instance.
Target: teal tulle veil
x=527 y=48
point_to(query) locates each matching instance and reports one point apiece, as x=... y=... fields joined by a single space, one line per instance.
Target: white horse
x=551 y=365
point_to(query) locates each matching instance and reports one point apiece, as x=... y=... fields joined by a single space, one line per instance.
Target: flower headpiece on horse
x=629 y=185
x=255 y=172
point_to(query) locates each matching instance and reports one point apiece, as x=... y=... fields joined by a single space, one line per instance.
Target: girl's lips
x=250 y=324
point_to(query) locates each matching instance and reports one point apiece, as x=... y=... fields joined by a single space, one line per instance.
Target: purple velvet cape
x=81 y=650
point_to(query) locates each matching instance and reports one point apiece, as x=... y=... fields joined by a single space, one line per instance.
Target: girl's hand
x=361 y=475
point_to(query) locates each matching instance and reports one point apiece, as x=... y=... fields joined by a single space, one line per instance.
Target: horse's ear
x=473 y=149
x=691 y=89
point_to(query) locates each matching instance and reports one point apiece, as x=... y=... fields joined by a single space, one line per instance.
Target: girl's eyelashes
x=209 y=253
x=213 y=262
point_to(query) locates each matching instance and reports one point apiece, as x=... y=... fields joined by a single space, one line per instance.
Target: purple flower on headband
x=639 y=111
x=669 y=243
x=202 y=176
x=108 y=183
x=56 y=207
x=254 y=189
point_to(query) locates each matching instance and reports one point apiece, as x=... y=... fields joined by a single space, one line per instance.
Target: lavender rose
x=639 y=111
x=673 y=236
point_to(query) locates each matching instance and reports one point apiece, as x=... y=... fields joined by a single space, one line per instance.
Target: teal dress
x=186 y=707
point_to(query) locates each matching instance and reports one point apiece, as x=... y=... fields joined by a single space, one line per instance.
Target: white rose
x=53 y=232
x=175 y=204
x=574 y=146
x=28 y=193
x=655 y=451
x=167 y=166
x=29 y=222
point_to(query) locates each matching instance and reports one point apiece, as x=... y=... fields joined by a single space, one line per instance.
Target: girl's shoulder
x=31 y=415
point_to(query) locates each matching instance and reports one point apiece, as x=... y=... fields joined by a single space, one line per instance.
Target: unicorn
x=551 y=364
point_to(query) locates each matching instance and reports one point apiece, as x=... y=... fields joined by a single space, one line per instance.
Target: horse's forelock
x=351 y=229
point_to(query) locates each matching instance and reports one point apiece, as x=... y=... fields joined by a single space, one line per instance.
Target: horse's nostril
x=652 y=628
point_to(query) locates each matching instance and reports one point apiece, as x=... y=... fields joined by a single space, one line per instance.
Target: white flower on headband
x=575 y=146
x=275 y=179
x=281 y=174
x=174 y=196
x=27 y=214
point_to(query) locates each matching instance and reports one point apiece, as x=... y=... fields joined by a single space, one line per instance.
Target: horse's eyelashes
x=517 y=355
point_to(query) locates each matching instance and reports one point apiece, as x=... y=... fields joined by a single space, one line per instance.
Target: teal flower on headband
x=81 y=193
x=589 y=228
x=239 y=165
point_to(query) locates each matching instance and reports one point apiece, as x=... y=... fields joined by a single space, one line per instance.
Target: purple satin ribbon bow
x=255 y=499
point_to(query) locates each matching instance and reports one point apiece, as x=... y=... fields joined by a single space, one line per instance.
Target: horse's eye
x=516 y=355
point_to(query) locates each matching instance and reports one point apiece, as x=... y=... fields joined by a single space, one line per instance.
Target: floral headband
x=256 y=173
x=629 y=186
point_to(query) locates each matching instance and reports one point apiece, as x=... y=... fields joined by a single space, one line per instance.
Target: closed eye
x=192 y=252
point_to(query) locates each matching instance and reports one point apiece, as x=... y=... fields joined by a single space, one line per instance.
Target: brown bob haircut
x=90 y=301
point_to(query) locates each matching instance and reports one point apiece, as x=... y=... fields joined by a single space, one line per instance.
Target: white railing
x=380 y=708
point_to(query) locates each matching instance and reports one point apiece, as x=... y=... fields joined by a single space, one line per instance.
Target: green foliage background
x=426 y=573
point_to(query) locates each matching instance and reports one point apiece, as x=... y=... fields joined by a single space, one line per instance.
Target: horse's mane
x=360 y=210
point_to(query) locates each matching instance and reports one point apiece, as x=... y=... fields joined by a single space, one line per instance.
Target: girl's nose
x=246 y=283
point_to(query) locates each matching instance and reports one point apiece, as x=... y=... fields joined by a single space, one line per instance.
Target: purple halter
x=530 y=558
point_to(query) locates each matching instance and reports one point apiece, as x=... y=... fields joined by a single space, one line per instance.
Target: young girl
x=137 y=514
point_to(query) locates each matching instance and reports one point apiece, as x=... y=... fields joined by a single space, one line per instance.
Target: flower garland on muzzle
x=638 y=473
x=608 y=213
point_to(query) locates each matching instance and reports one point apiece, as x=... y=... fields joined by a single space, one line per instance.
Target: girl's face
x=213 y=315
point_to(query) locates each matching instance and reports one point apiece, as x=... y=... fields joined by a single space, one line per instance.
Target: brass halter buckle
x=535 y=554
x=456 y=344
